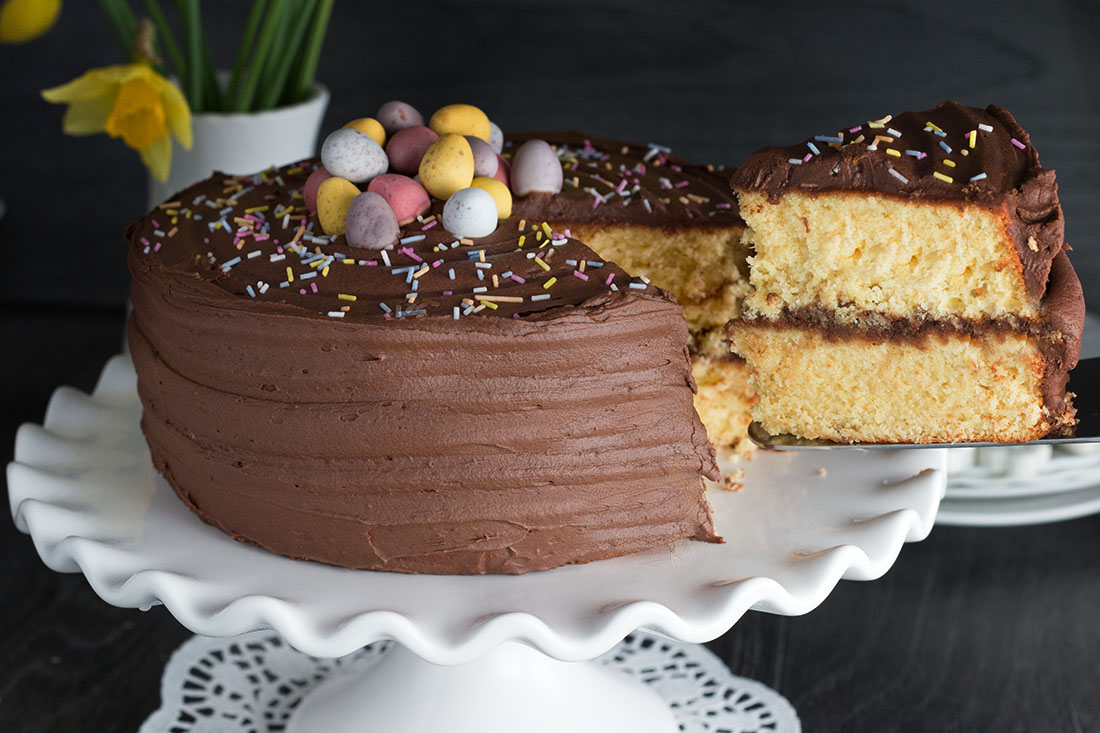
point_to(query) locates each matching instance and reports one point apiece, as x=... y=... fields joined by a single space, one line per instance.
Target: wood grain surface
x=972 y=630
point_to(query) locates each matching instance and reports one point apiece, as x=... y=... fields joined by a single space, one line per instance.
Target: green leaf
x=302 y=83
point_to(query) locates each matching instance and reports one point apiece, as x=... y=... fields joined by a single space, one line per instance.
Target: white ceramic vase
x=239 y=143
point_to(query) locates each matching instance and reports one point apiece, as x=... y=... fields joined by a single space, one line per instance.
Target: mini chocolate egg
x=396 y=116
x=462 y=119
x=309 y=188
x=406 y=197
x=371 y=223
x=447 y=166
x=535 y=167
x=503 y=173
x=334 y=196
x=407 y=147
x=500 y=193
x=496 y=138
x=369 y=126
x=471 y=212
x=485 y=160
x=353 y=155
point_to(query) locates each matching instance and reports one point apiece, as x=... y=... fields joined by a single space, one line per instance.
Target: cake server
x=1084 y=383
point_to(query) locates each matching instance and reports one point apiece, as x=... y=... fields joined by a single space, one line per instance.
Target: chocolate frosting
x=426 y=409
x=952 y=153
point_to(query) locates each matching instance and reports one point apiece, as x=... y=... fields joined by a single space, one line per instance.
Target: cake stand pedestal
x=83 y=487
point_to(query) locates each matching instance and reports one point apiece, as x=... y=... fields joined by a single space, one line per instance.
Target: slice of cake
x=675 y=223
x=909 y=283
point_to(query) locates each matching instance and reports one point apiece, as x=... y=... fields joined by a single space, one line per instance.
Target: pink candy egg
x=309 y=189
x=536 y=168
x=503 y=173
x=406 y=197
x=485 y=160
x=407 y=147
x=396 y=116
x=371 y=223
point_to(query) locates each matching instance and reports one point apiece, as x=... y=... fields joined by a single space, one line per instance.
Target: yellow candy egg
x=500 y=193
x=334 y=196
x=370 y=127
x=447 y=166
x=461 y=119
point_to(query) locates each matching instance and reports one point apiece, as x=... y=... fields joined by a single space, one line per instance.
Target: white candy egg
x=350 y=154
x=496 y=137
x=535 y=167
x=471 y=212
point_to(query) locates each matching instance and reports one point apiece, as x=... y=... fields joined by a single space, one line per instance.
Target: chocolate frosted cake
x=446 y=404
x=909 y=283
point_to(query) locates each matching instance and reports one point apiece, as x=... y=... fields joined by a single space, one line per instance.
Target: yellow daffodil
x=132 y=102
x=26 y=20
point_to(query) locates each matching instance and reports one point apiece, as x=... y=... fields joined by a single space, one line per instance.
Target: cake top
x=610 y=181
x=951 y=152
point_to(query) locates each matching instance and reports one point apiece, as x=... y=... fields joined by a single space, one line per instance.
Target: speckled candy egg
x=407 y=147
x=496 y=138
x=334 y=196
x=535 y=167
x=371 y=223
x=500 y=193
x=471 y=212
x=406 y=197
x=485 y=160
x=353 y=155
x=461 y=119
x=309 y=188
x=447 y=166
x=370 y=127
x=396 y=116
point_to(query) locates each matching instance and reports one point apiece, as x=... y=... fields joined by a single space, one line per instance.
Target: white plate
x=83 y=487
x=1021 y=511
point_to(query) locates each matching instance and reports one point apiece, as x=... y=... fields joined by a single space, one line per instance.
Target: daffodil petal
x=158 y=157
x=87 y=116
x=92 y=83
x=179 y=114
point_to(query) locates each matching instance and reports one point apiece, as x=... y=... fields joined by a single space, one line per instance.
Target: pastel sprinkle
x=898 y=176
x=581 y=275
x=893 y=152
x=978 y=177
x=345 y=296
x=945 y=146
x=942 y=177
x=984 y=127
x=1018 y=144
x=973 y=138
x=549 y=283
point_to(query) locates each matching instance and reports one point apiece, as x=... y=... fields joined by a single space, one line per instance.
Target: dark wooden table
x=972 y=630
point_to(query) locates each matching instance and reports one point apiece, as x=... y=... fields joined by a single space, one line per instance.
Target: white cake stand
x=482 y=654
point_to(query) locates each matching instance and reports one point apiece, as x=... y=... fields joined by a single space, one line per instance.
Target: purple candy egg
x=485 y=160
x=371 y=223
x=396 y=116
x=407 y=147
x=536 y=167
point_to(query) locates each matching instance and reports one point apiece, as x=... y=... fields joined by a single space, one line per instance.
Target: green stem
x=122 y=23
x=274 y=87
x=192 y=34
x=245 y=47
x=302 y=83
x=167 y=38
x=211 y=87
x=270 y=29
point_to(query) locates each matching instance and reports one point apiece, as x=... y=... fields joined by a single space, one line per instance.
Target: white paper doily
x=253 y=683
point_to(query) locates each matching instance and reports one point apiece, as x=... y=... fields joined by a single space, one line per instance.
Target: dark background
x=974 y=629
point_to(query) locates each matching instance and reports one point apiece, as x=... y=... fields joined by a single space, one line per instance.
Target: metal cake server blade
x=1084 y=383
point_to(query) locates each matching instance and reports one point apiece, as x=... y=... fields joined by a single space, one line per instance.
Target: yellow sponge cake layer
x=938 y=389
x=856 y=252
x=723 y=400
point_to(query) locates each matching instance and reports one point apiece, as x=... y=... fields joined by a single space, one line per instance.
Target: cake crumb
x=734 y=480
x=821 y=472
x=1032 y=244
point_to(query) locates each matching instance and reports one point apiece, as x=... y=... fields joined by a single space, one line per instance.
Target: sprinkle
x=481 y=289
x=541 y=296
x=546 y=229
x=386 y=258
x=637 y=286
x=454 y=312
x=385 y=307
x=345 y=296
x=973 y=135
x=828 y=138
x=313 y=287
x=451 y=273
x=414 y=238
x=893 y=132
x=543 y=265
x=522 y=238
x=984 y=127
x=490 y=304
x=813 y=148
x=226 y=266
x=1018 y=144
x=978 y=177
x=499 y=298
x=581 y=275
x=289 y=274
x=942 y=177
x=934 y=126
x=893 y=152
x=254 y=253
x=307 y=275
x=949 y=163
x=483 y=265
x=251 y=292
x=428 y=226
x=918 y=154
x=518 y=279
x=794 y=161
x=855 y=129
x=945 y=146
x=898 y=176
x=609 y=279
x=549 y=283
